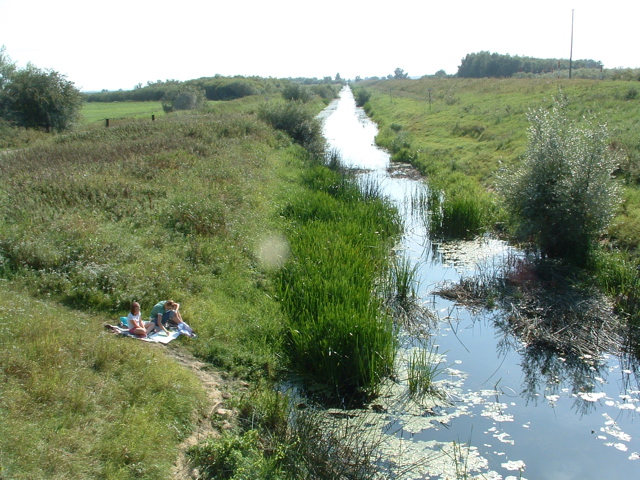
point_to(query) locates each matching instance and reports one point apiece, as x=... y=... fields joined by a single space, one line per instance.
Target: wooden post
x=153 y=118
x=106 y=122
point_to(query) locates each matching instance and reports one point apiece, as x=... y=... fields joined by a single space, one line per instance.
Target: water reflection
x=516 y=407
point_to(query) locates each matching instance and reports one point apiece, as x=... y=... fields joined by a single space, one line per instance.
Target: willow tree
x=35 y=98
x=563 y=195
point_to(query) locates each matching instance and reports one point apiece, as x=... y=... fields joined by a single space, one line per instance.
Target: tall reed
x=340 y=336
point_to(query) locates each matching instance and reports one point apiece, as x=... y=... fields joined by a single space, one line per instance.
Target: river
x=508 y=413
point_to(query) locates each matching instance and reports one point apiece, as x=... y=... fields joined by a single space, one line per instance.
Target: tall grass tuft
x=339 y=336
x=458 y=214
x=280 y=437
x=423 y=367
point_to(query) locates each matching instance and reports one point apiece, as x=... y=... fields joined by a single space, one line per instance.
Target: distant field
x=93 y=112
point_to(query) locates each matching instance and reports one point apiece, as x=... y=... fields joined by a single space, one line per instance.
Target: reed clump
x=339 y=334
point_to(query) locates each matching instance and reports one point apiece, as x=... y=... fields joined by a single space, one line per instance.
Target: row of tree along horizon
x=474 y=65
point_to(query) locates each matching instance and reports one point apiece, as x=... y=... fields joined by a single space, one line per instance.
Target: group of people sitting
x=164 y=314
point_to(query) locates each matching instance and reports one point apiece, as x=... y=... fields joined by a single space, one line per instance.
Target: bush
x=563 y=195
x=40 y=99
x=362 y=96
x=298 y=122
x=297 y=92
x=183 y=98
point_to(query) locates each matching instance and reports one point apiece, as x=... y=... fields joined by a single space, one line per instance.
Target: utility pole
x=571 y=51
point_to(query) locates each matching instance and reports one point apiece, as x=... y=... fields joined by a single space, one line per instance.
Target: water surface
x=513 y=412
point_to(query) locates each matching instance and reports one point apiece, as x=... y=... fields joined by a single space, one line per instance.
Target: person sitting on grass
x=166 y=313
x=136 y=325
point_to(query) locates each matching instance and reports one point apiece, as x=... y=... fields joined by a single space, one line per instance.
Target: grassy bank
x=200 y=208
x=461 y=132
x=145 y=211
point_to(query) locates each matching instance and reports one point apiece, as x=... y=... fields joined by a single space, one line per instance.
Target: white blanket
x=156 y=337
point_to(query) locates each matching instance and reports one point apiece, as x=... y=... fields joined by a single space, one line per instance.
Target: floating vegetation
x=542 y=308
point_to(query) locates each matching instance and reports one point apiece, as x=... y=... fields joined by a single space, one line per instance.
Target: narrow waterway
x=509 y=412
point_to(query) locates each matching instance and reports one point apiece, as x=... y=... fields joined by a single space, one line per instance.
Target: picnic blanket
x=155 y=337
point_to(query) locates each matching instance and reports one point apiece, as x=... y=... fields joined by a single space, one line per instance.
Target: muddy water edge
x=507 y=411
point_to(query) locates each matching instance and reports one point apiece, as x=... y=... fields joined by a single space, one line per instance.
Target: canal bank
x=507 y=411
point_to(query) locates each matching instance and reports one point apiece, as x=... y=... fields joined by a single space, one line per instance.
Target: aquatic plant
x=339 y=335
x=458 y=214
x=423 y=367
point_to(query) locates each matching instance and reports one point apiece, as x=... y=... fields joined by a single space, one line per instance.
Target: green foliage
x=7 y=68
x=298 y=121
x=296 y=92
x=563 y=196
x=339 y=336
x=278 y=439
x=423 y=367
x=400 y=74
x=229 y=457
x=35 y=98
x=362 y=96
x=183 y=98
x=326 y=91
x=486 y=64
x=230 y=88
x=459 y=213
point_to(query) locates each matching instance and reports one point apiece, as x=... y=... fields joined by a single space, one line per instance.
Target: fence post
x=153 y=118
x=106 y=122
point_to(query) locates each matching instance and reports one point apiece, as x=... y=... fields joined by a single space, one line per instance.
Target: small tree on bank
x=183 y=98
x=36 y=98
x=563 y=196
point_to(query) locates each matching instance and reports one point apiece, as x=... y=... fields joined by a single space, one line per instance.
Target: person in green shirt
x=166 y=313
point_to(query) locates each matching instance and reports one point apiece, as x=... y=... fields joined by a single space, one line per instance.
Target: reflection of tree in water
x=547 y=373
x=562 y=330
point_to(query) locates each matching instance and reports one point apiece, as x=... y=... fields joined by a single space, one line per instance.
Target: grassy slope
x=93 y=112
x=92 y=220
x=474 y=126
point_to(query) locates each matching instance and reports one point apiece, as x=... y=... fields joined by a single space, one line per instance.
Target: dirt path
x=213 y=385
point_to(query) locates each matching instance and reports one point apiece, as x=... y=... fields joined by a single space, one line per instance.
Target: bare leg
x=149 y=327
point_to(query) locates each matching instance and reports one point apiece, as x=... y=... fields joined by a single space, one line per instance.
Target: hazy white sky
x=113 y=44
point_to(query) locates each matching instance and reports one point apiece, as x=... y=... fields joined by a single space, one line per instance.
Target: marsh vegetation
x=281 y=260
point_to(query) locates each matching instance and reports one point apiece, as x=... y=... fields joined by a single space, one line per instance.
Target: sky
x=117 y=44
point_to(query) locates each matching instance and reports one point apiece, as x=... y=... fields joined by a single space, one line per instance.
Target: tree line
x=485 y=64
x=215 y=88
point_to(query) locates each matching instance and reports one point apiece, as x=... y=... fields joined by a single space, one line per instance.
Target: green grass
x=94 y=219
x=98 y=112
x=78 y=403
x=475 y=127
x=195 y=207
x=339 y=334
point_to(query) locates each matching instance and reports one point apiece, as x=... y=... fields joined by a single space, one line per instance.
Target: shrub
x=631 y=94
x=563 y=195
x=362 y=96
x=183 y=98
x=296 y=92
x=40 y=99
x=298 y=121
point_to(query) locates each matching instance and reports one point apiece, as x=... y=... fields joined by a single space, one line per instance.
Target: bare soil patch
x=209 y=423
